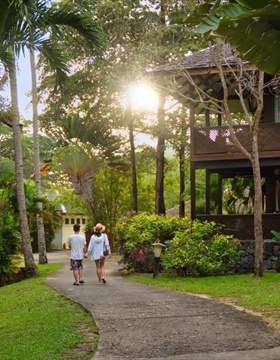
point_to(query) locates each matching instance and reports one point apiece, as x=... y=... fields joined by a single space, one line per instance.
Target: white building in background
x=66 y=229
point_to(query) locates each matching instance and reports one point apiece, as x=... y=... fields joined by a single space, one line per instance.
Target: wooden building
x=212 y=148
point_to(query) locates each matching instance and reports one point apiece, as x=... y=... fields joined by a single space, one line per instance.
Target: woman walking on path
x=98 y=249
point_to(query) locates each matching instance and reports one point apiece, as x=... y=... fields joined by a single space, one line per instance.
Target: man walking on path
x=77 y=245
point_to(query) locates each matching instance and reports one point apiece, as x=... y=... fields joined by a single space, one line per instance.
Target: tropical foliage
x=193 y=247
x=201 y=250
x=252 y=27
x=29 y=24
x=85 y=122
x=10 y=245
x=49 y=214
x=9 y=237
x=26 y=23
x=137 y=234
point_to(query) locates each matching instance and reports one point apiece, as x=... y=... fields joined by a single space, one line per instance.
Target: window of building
x=72 y=221
x=83 y=221
x=78 y=220
x=66 y=221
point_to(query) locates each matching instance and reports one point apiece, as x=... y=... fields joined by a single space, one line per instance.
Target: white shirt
x=97 y=245
x=76 y=242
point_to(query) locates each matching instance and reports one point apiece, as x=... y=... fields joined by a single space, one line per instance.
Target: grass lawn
x=262 y=296
x=37 y=323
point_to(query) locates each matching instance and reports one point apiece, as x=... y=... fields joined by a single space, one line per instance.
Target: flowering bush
x=193 y=247
x=137 y=234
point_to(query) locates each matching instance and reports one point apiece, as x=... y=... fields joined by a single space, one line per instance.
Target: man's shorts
x=76 y=264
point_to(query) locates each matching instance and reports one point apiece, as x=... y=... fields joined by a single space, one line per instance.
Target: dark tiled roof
x=202 y=59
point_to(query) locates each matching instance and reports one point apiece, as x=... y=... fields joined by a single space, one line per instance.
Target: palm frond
x=56 y=61
x=83 y=24
x=5 y=57
x=29 y=23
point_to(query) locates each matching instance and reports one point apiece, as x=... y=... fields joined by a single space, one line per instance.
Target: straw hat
x=99 y=228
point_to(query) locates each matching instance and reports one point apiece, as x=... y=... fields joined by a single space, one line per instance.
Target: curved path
x=142 y=322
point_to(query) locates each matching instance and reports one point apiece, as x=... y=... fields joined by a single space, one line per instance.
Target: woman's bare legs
x=102 y=267
x=98 y=269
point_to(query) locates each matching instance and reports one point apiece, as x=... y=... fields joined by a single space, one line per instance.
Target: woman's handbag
x=105 y=250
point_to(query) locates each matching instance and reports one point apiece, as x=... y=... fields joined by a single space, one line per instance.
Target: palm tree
x=80 y=166
x=24 y=228
x=28 y=23
x=36 y=152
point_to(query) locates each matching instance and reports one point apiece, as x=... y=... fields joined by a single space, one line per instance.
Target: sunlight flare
x=141 y=97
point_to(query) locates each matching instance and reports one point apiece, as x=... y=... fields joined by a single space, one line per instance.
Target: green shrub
x=201 y=250
x=196 y=248
x=137 y=234
x=9 y=239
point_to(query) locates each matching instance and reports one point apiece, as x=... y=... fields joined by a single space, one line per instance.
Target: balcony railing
x=215 y=143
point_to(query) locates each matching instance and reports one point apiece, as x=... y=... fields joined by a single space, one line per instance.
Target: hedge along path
x=142 y=322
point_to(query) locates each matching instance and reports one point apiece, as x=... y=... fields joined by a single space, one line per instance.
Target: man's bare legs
x=76 y=276
x=81 y=275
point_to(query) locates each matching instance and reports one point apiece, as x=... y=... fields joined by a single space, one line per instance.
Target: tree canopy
x=252 y=27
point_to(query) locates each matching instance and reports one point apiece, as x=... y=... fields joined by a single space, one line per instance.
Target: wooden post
x=207 y=118
x=207 y=173
x=219 y=119
x=193 y=194
x=192 y=123
x=270 y=191
x=220 y=195
x=207 y=191
x=192 y=167
x=182 y=154
x=220 y=178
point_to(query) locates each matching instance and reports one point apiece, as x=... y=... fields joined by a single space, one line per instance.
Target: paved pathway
x=141 y=322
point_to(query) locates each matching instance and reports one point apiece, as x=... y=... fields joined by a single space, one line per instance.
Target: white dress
x=97 y=245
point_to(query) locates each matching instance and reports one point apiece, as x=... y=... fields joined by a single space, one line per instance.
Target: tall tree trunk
x=134 y=189
x=258 y=231
x=253 y=156
x=24 y=228
x=182 y=151
x=159 y=203
x=36 y=152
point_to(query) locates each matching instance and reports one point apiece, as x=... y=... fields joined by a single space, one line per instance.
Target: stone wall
x=271 y=256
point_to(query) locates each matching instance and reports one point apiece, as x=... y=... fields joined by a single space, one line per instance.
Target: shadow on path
x=143 y=322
